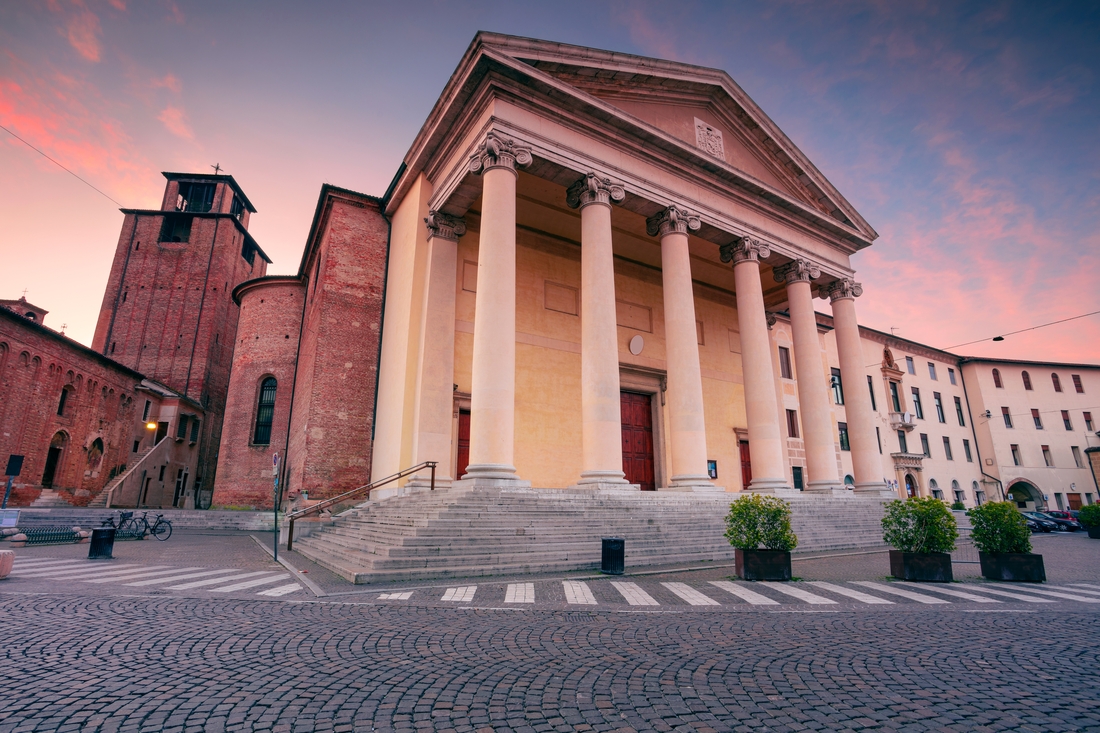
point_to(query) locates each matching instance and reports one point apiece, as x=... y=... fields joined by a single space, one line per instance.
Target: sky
x=966 y=133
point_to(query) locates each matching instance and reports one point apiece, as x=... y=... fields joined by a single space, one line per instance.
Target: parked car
x=1062 y=525
x=1046 y=524
x=1069 y=515
x=1035 y=526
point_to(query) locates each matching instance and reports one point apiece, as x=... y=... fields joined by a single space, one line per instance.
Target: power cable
x=1011 y=333
x=59 y=165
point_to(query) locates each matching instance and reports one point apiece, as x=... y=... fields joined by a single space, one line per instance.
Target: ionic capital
x=743 y=250
x=593 y=188
x=798 y=270
x=499 y=152
x=672 y=220
x=845 y=287
x=443 y=226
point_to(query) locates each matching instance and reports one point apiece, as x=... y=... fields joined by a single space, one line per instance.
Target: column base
x=692 y=484
x=873 y=489
x=602 y=477
x=833 y=487
x=770 y=486
x=491 y=476
x=424 y=483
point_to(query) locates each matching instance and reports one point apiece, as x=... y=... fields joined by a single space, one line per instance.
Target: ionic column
x=493 y=378
x=687 y=427
x=761 y=407
x=813 y=394
x=434 y=404
x=601 y=419
x=866 y=462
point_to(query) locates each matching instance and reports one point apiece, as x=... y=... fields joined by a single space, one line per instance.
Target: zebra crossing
x=727 y=593
x=271 y=583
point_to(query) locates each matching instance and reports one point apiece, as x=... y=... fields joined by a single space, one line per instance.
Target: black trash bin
x=614 y=556
x=103 y=543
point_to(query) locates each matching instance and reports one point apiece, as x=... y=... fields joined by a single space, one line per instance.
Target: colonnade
x=492 y=418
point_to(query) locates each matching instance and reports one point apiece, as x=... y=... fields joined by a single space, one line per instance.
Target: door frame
x=461 y=402
x=652 y=382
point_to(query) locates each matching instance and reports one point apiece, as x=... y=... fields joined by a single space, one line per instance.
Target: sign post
x=275 y=502
x=15 y=466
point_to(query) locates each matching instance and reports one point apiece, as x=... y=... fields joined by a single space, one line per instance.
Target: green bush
x=1089 y=515
x=919 y=525
x=958 y=506
x=756 y=520
x=999 y=527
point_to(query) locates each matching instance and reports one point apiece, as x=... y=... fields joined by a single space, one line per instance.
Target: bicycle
x=161 y=528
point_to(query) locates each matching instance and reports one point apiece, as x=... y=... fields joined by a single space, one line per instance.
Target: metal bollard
x=103 y=543
x=614 y=556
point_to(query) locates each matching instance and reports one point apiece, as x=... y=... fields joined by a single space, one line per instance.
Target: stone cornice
x=673 y=220
x=843 y=288
x=497 y=151
x=745 y=249
x=594 y=189
x=799 y=270
x=443 y=226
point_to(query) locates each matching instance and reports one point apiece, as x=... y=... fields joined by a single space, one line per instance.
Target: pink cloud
x=168 y=81
x=83 y=31
x=118 y=5
x=175 y=121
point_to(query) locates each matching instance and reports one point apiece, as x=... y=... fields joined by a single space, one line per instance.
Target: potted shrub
x=756 y=521
x=1003 y=540
x=1089 y=517
x=922 y=533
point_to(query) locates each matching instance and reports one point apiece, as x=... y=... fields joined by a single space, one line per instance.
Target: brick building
x=305 y=363
x=78 y=418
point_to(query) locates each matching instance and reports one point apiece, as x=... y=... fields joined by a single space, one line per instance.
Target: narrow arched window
x=1027 y=380
x=265 y=412
x=1057 y=382
x=61 y=402
x=997 y=379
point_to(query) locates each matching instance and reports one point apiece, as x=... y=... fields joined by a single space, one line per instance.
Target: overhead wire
x=59 y=165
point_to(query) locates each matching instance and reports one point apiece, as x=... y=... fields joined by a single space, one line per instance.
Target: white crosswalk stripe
x=851 y=593
x=1084 y=588
x=216 y=581
x=799 y=593
x=520 y=593
x=578 y=593
x=282 y=590
x=1006 y=594
x=937 y=588
x=134 y=573
x=884 y=588
x=396 y=596
x=461 y=594
x=634 y=595
x=187 y=576
x=691 y=595
x=1085 y=585
x=72 y=571
x=250 y=584
x=39 y=562
x=1055 y=594
x=749 y=596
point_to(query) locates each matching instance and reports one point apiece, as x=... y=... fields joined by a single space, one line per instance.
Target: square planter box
x=1094 y=532
x=763 y=564
x=1022 y=567
x=927 y=567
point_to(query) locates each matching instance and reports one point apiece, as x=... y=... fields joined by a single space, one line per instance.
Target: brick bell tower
x=168 y=310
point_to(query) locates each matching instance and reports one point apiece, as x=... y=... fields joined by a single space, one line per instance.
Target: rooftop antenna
x=217 y=168
x=893 y=329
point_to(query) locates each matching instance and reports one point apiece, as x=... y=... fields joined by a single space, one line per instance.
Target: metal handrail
x=365 y=488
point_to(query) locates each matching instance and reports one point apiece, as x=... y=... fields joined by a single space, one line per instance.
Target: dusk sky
x=965 y=133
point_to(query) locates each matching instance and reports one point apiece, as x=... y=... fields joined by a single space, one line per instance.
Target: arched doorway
x=53 y=458
x=1027 y=496
x=911 y=486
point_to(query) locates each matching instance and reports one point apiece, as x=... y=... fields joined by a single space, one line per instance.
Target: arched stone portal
x=53 y=458
x=1026 y=495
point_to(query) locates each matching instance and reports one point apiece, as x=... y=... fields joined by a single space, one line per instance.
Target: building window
x=145 y=412
x=895 y=398
x=1038 y=420
x=1088 y=420
x=792 y=423
x=910 y=366
x=248 y=251
x=137 y=444
x=951 y=376
x=837 y=385
x=1077 y=383
x=785 y=363
x=917 y=409
x=997 y=379
x=1057 y=382
x=1016 y=455
x=959 y=412
x=844 y=444
x=265 y=412
x=181 y=428
x=1027 y=380
x=878 y=437
x=924 y=447
x=1007 y=416
x=176 y=228
x=1066 y=420
x=903 y=444
x=197 y=197
x=939 y=407
x=1077 y=456
x=871 y=389
x=194 y=429
x=932 y=371
x=236 y=208
x=935 y=489
x=979 y=495
x=966 y=450
x=796 y=474
x=63 y=399
x=947 y=448
x=1047 y=459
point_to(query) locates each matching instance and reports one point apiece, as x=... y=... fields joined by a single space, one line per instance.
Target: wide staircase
x=478 y=532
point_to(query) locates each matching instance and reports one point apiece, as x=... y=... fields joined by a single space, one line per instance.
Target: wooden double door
x=637 y=425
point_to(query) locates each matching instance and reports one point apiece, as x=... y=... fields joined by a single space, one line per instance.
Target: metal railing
x=365 y=489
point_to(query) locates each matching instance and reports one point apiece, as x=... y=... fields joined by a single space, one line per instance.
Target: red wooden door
x=746 y=465
x=637 y=419
x=1074 y=501
x=463 y=443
